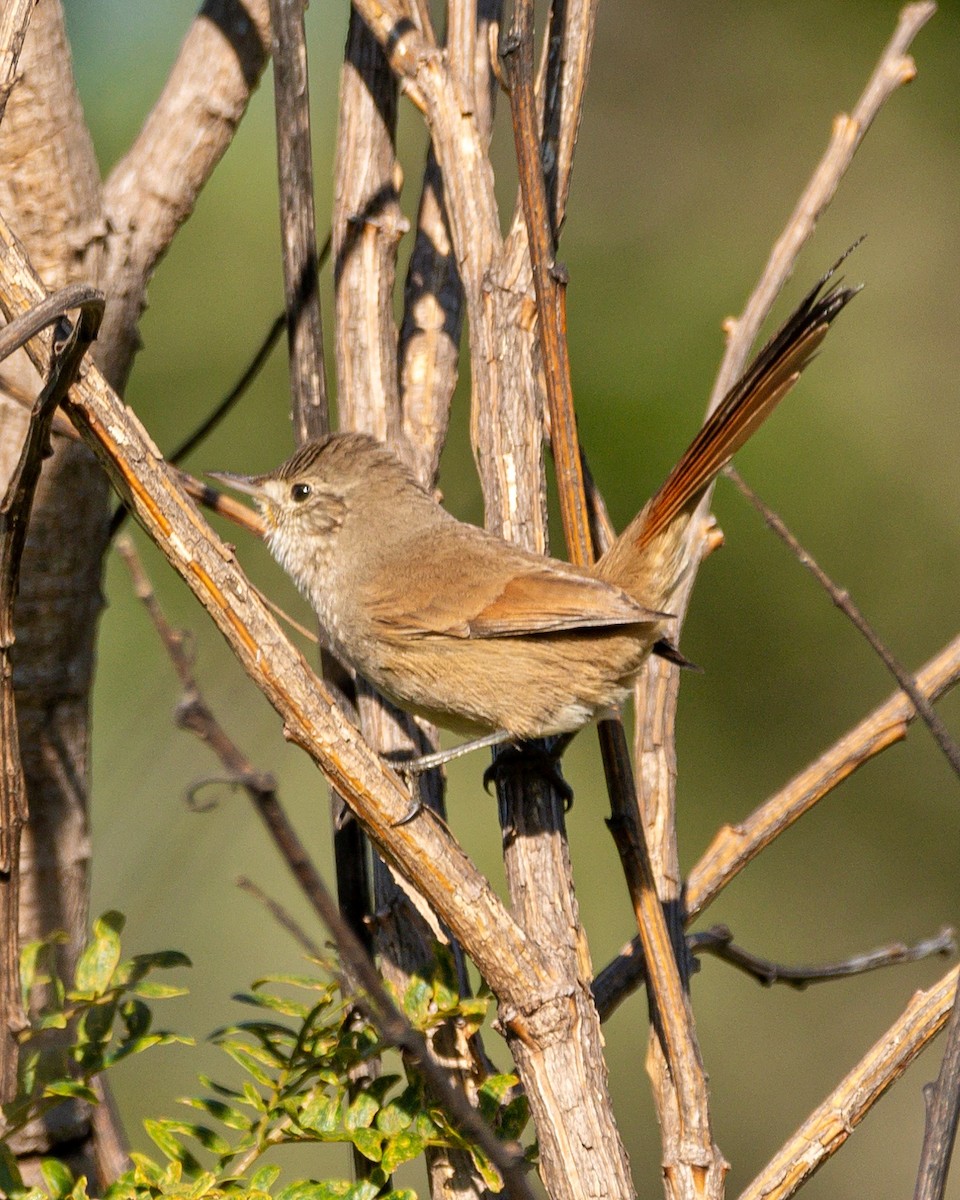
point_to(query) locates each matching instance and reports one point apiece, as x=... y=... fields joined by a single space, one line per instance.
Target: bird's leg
x=540 y=758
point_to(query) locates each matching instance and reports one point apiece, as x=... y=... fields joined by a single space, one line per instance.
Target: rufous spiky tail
x=643 y=560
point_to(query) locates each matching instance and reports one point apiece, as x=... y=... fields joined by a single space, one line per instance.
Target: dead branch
x=943 y=1111
x=719 y=943
x=297 y=220
x=844 y=601
x=831 y=1123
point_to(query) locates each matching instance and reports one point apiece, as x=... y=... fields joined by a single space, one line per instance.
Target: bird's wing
x=549 y=601
x=469 y=595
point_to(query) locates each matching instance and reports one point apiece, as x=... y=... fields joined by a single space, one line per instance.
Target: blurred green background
x=702 y=124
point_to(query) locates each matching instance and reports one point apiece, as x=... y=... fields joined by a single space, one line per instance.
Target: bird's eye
x=300 y=491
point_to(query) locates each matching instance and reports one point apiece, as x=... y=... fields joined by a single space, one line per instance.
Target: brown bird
x=469 y=631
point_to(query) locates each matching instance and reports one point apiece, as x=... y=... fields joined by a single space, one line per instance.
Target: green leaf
x=417 y=1001
x=289 y=1008
x=330 y=1189
x=493 y=1092
x=146 y=1171
x=30 y=956
x=10 y=1178
x=101 y=957
x=231 y=1117
x=473 y=1012
x=163 y=960
x=264 y=1178
x=513 y=1119
x=401 y=1149
x=159 y=991
x=71 y=1089
x=57 y=1177
x=171 y=1146
x=402 y=1109
x=245 y=1058
x=446 y=985
x=138 y=1045
x=52 y=1020
x=321 y=1113
x=369 y=1142
x=96 y=1025
x=136 y=1017
x=208 y=1138
x=366 y=1189
x=313 y=983
x=131 y=972
x=361 y=1111
x=488 y=1172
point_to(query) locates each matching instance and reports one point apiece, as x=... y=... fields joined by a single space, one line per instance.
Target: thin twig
x=221 y=410
x=282 y=918
x=834 y=1120
x=549 y=281
x=626 y=971
x=298 y=228
x=943 y=1110
x=251 y=371
x=894 y=69
x=734 y=846
x=718 y=941
x=844 y=601
x=359 y=969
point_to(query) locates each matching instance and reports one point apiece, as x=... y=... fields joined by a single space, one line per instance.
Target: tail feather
x=745 y=407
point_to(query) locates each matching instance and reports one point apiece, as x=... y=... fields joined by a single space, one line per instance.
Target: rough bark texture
x=50 y=188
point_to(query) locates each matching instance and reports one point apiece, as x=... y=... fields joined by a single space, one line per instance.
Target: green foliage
x=308 y=1072
x=75 y=1033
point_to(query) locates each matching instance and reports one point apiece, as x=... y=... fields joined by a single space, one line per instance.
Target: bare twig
x=367 y=226
x=894 y=69
x=627 y=971
x=719 y=942
x=943 y=1111
x=549 y=281
x=831 y=1123
x=844 y=601
x=297 y=223
x=282 y=917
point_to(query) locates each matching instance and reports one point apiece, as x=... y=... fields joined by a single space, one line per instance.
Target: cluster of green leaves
x=307 y=1076
x=75 y=1033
